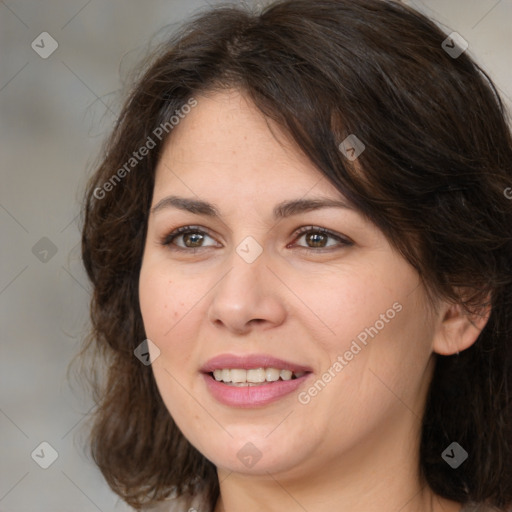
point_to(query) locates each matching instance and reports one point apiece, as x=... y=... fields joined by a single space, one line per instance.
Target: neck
x=271 y=495
x=372 y=477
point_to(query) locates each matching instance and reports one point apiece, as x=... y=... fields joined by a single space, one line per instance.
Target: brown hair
x=438 y=159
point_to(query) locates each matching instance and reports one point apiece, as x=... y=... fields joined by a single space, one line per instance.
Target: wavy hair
x=434 y=178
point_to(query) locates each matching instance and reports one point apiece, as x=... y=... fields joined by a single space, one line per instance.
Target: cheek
x=154 y=301
x=349 y=302
x=377 y=321
x=168 y=314
x=161 y=302
x=162 y=308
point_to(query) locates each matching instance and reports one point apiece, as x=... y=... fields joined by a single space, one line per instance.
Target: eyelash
x=168 y=239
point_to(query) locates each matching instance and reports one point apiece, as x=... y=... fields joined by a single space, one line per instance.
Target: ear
x=457 y=330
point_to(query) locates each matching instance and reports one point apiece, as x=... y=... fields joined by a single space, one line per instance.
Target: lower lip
x=252 y=396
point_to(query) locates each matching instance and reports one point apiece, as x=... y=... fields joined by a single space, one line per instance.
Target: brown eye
x=318 y=238
x=191 y=238
x=195 y=239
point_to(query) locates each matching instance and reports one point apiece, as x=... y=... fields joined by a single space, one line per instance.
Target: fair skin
x=354 y=446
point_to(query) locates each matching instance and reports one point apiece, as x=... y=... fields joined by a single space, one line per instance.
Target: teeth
x=286 y=374
x=253 y=376
x=258 y=375
x=272 y=374
x=238 y=375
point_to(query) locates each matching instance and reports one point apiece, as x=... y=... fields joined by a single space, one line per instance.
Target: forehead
x=225 y=145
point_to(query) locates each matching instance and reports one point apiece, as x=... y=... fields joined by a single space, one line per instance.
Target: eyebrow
x=281 y=210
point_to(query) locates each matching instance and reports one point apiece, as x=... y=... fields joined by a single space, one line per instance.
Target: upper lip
x=249 y=361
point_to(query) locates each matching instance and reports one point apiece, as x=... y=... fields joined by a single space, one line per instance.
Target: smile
x=253 y=377
x=252 y=380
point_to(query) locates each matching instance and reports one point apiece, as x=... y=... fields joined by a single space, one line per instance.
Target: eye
x=191 y=236
x=318 y=238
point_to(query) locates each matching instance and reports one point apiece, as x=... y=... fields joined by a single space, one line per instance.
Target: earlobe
x=458 y=329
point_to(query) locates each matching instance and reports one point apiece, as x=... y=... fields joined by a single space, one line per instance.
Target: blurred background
x=62 y=65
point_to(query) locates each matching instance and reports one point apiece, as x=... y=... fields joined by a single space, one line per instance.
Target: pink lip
x=251 y=361
x=251 y=396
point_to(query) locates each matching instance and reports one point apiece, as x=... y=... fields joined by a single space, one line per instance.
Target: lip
x=251 y=396
x=246 y=362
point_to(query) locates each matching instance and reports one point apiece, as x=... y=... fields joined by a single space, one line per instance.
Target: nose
x=248 y=296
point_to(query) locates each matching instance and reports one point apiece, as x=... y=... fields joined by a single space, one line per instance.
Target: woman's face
x=343 y=306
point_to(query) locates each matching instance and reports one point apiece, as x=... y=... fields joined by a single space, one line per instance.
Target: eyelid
x=343 y=240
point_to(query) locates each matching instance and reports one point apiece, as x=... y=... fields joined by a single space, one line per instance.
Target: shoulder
x=479 y=507
x=180 y=504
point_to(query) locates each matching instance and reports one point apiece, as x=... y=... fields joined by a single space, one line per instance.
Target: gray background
x=54 y=114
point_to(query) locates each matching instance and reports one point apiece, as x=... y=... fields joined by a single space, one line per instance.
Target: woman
x=300 y=247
